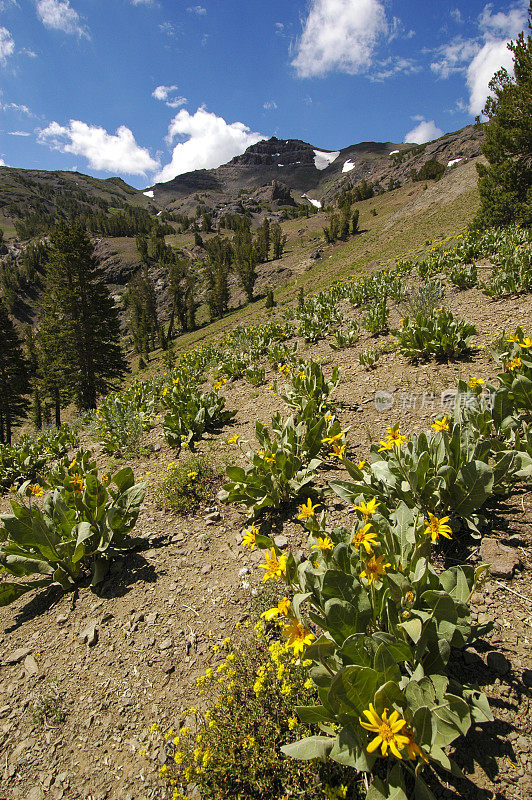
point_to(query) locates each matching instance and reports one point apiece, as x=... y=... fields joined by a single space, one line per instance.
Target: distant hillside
x=27 y=192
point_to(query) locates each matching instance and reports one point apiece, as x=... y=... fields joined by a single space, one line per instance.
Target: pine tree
x=33 y=372
x=278 y=240
x=143 y=321
x=246 y=258
x=181 y=290
x=13 y=377
x=505 y=185
x=79 y=324
x=220 y=258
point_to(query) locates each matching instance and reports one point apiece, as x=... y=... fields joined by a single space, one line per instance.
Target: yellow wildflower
x=365 y=538
x=393 y=439
x=388 y=730
x=374 y=569
x=307 y=510
x=475 y=383
x=280 y=610
x=338 y=450
x=275 y=567
x=441 y=425
x=367 y=509
x=234 y=439
x=437 y=527
x=324 y=543
x=250 y=536
x=515 y=363
x=36 y=490
x=297 y=636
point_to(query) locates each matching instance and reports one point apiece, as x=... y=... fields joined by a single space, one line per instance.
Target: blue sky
x=146 y=89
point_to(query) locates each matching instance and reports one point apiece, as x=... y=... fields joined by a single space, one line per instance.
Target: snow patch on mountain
x=348 y=166
x=323 y=160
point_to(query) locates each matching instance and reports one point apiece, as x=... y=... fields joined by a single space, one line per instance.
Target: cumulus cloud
x=7 y=45
x=269 y=105
x=60 y=16
x=105 y=152
x=18 y=133
x=198 y=10
x=211 y=141
x=339 y=35
x=424 y=131
x=453 y=56
x=2 y=163
x=498 y=29
x=164 y=93
x=480 y=57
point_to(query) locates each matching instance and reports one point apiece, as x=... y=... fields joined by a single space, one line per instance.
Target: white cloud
x=198 y=10
x=18 y=133
x=106 y=152
x=498 y=29
x=339 y=35
x=479 y=58
x=269 y=105
x=423 y=132
x=456 y=14
x=211 y=141
x=20 y=109
x=2 y=163
x=168 y=29
x=492 y=57
x=453 y=56
x=164 y=93
x=503 y=25
x=59 y=15
x=142 y=2
x=7 y=45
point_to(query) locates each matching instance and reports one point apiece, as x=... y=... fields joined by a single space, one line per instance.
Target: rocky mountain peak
x=275 y=152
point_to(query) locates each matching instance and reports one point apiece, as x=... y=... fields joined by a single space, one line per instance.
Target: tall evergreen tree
x=143 y=321
x=505 y=185
x=33 y=370
x=247 y=255
x=181 y=290
x=278 y=240
x=80 y=317
x=220 y=258
x=13 y=377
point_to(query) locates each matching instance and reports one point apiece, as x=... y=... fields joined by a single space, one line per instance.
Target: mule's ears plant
x=389 y=623
x=84 y=523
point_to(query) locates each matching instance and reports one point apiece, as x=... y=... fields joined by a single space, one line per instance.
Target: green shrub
x=83 y=524
x=233 y=748
x=187 y=485
x=375 y=320
x=190 y=414
x=439 y=336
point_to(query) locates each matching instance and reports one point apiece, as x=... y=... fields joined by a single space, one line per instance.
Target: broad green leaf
x=314 y=714
x=9 y=592
x=21 y=565
x=354 y=688
x=124 y=479
x=350 y=749
x=312 y=747
x=388 y=696
x=413 y=627
x=423 y=726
